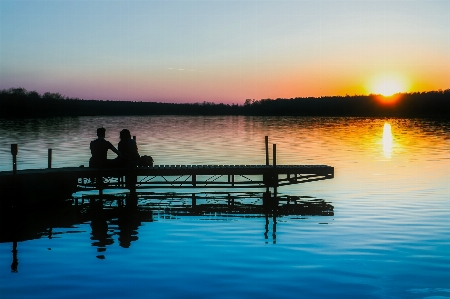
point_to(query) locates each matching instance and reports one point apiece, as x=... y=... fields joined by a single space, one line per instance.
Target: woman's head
x=125 y=134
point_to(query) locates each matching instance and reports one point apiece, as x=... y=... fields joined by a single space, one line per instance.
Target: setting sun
x=388 y=86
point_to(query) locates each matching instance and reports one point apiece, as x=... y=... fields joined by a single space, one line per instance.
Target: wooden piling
x=15 y=262
x=230 y=200
x=267 y=150
x=99 y=182
x=49 y=158
x=194 y=200
x=231 y=179
x=274 y=227
x=266 y=199
x=274 y=155
x=131 y=181
x=14 y=151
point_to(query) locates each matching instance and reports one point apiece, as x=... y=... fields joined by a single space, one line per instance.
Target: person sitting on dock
x=99 y=149
x=129 y=150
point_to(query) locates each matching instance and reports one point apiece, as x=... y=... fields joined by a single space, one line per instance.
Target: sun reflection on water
x=387 y=140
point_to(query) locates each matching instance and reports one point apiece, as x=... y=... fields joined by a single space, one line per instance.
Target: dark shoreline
x=20 y=103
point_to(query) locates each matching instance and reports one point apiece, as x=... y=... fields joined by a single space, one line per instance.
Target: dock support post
x=131 y=201
x=230 y=200
x=266 y=228
x=231 y=179
x=274 y=227
x=274 y=155
x=99 y=183
x=131 y=181
x=270 y=178
x=267 y=150
x=194 y=180
x=15 y=262
x=14 y=151
x=266 y=199
x=49 y=158
x=194 y=200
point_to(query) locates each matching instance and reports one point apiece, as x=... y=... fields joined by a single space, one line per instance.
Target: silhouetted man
x=99 y=150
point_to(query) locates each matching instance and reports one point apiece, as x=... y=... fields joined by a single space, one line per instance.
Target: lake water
x=388 y=235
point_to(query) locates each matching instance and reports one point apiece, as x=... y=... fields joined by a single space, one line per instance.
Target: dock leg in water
x=131 y=181
x=99 y=182
x=194 y=201
x=132 y=201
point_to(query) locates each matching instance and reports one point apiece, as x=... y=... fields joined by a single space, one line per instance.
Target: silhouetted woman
x=129 y=150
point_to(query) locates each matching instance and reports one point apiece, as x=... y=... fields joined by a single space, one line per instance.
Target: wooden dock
x=67 y=180
x=63 y=182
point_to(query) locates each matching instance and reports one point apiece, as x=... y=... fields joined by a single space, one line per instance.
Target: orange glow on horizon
x=389 y=100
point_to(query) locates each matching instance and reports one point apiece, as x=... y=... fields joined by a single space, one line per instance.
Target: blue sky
x=223 y=51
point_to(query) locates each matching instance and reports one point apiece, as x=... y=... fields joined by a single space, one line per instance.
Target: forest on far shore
x=20 y=103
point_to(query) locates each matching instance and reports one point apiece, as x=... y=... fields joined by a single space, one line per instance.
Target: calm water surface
x=389 y=235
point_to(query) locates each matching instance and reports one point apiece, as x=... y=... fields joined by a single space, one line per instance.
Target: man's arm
x=114 y=150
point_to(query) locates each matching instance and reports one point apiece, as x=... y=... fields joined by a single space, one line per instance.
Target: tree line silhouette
x=20 y=103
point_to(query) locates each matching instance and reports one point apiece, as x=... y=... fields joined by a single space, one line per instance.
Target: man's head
x=101 y=132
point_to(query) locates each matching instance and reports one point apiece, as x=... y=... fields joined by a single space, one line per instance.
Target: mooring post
x=267 y=150
x=275 y=176
x=49 y=158
x=274 y=155
x=14 y=151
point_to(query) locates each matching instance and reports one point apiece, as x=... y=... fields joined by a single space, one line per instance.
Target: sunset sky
x=224 y=51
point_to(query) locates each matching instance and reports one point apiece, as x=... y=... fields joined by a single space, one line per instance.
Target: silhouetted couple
x=127 y=154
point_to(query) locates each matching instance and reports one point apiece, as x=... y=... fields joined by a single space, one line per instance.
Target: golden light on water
x=387 y=140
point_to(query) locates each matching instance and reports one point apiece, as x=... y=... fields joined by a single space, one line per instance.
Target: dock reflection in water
x=119 y=216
